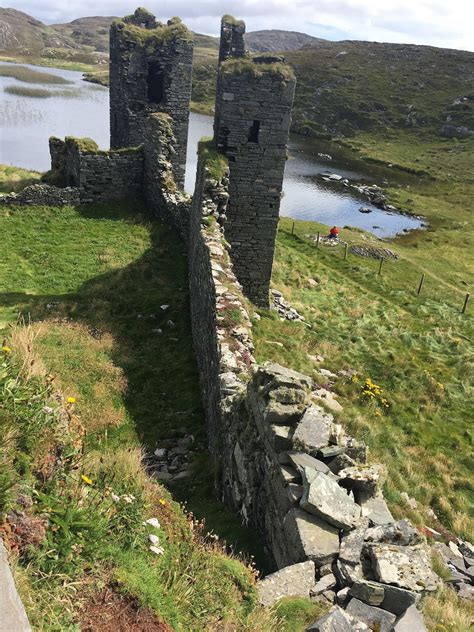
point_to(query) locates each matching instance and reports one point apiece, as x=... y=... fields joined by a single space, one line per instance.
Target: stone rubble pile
x=373 y=252
x=339 y=536
x=284 y=309
x=43 y=195
x=459 y=561
x=172 y=459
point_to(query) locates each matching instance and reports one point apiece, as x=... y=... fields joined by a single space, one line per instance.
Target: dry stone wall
x=287 y=466
x=100 y=176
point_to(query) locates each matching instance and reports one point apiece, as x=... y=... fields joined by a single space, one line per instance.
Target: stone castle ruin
x=287 y=466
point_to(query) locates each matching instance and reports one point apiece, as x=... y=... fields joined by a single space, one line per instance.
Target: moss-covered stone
x=231 y=21
x=243 y=66
x=174 y=30
x=216 y=164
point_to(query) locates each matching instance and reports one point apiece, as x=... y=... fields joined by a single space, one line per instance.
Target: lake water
x=82 y=109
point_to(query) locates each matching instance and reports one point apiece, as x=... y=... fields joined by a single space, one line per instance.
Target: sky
x=445 y=23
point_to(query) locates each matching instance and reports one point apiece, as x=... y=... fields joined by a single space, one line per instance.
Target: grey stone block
x=313 y=430
x=296 y=580
x=411 y=621
x=371 y=616
x=309 y=537
x=324 y=498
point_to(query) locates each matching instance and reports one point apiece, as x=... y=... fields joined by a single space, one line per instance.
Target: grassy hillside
x=344 y=87
x=86 y=387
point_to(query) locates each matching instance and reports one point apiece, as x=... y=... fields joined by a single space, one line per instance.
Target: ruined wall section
x=231 y=43
x=100 y=176
x=163 y=197
x=251 y=130
x=220 y=321
x=150 y=72
x=287 y=466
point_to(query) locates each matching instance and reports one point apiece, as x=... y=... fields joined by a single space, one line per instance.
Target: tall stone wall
x=150 y=71
x=253 y=111
x=287 y=466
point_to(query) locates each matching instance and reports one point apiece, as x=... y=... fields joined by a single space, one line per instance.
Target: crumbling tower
x=253 y=112
x=150 y=72
x=232 y=42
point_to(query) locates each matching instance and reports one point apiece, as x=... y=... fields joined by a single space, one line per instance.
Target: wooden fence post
x=380 y=266
x=422 y=280
x=466 y=300
x=345 y=251
x=293 y=228
x=317 y=239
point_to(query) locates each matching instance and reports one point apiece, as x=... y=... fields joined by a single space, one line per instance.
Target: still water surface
x=82 y=109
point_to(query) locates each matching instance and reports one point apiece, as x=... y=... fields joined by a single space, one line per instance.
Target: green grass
x=28 y=75
x=39 y=93
x=417 y=348
x=15 y=178
x=91 y=282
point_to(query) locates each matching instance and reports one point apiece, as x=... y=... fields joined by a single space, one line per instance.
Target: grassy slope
x=92 y=282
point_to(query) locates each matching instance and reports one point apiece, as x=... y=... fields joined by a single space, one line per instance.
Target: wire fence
x=345 y=251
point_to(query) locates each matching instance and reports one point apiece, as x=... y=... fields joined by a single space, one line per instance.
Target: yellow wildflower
x=162 y=501
x=6 y=349
x=86 y=479
x=71 y=400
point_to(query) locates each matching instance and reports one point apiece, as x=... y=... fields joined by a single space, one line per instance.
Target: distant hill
x=342 y=87
x=275 y=40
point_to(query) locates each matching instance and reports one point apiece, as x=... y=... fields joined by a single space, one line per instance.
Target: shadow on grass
x=153 y=347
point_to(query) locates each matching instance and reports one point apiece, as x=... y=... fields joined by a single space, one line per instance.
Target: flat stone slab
x=405 y=567
x=324 y=498
x=302 y=460
x=309 y=537
x=371 y=616
x=327 y=582
x=313 y=431
x=12 y=613
x=391 y=598
x=411 y=621
x=376 y=510
x=334 y=621
x=292 y=581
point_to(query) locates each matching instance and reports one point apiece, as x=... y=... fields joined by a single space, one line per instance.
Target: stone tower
x=150 y=71
x=253 y=112
x=232 y=38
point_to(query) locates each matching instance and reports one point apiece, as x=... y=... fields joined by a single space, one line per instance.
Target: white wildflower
x=48 y=410
x=154 y=539
x=153 y=522
x=159 y=550
x=114 y=497
x=128 y=498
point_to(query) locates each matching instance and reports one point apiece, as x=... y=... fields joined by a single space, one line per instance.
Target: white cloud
x=433 y=22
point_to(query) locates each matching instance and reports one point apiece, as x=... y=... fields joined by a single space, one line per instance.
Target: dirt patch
x=108 y=611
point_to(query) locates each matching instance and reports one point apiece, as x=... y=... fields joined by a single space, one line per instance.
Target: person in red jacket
x=334 y=233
